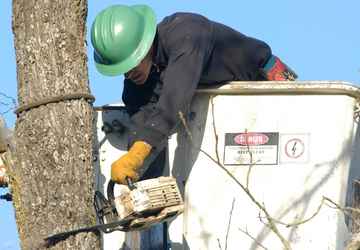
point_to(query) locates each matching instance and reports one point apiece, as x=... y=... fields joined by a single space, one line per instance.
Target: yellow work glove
x=128 y=164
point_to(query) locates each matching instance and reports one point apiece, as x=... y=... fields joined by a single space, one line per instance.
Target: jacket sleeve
x=187 y=58
x=135 y=96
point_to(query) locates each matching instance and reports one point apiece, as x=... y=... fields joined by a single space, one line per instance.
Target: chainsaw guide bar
x=139 y=206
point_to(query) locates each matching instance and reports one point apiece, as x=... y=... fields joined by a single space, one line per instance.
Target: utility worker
x=163 y=65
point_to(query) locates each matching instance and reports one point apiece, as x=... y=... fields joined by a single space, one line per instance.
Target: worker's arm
x=187 y=58
x=154 y=122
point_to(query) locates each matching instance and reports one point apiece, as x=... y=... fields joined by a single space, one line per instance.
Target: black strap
x=54 y=99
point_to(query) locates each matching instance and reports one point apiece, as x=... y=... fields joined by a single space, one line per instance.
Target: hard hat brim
x=114 y=69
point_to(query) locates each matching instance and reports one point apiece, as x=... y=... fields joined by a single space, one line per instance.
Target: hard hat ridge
x=122 y=35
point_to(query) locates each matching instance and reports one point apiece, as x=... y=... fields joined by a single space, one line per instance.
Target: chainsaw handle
x=110 y=191
x=111 y=185
x=130 y=183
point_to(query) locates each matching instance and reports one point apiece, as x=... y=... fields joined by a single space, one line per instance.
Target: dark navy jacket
x=189 y=49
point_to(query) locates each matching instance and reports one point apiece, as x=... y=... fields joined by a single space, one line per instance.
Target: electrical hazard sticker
x=294 y=148
x=251 y=148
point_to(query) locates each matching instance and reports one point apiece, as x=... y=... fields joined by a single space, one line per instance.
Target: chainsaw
x=139 y=206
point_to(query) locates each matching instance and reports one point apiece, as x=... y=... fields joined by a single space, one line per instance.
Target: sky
x=319 y=39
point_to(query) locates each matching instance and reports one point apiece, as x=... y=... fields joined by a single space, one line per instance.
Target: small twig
x=182 y=118
x=343 y=209
x=324 y=199
x=251 y=161
x=11 y=104
x=214 y=128
x=8 y=97
x=219 y=244
x=297 y=223
x=229 y=224
x=7 y=111
x=253 y=238
x=273 y=227
x=4 y=103
x=347 y=211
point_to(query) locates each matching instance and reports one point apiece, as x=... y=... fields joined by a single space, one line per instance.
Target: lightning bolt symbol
x=294 y=148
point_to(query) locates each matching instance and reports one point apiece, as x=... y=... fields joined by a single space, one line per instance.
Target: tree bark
x=52 y=178
x=354 y=243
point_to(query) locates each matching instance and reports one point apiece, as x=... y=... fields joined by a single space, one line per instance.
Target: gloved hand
x=128 y=164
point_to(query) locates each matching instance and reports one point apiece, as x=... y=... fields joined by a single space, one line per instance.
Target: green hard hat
x=122 y=36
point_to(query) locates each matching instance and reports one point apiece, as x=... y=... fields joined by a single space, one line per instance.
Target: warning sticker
x=256 y=148
x=294 y=148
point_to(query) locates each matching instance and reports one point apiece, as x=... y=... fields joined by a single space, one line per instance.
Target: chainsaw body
x=139 y=205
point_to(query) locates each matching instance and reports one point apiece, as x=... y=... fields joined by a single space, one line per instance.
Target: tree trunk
x=354 y=243
x=52 y=179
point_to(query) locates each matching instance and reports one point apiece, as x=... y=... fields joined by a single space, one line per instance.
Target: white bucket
x=302 y=143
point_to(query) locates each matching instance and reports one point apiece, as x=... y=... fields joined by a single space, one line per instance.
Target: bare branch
x=246 y=232
x=345 y=210
x=297 y=223
x=9 y=102
x=214 y=128
x=219 y=244
x=7 y=111
x=228 y=227
x=251 y=162
x=182 y=118
x=8 y=97
x=4 y=103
